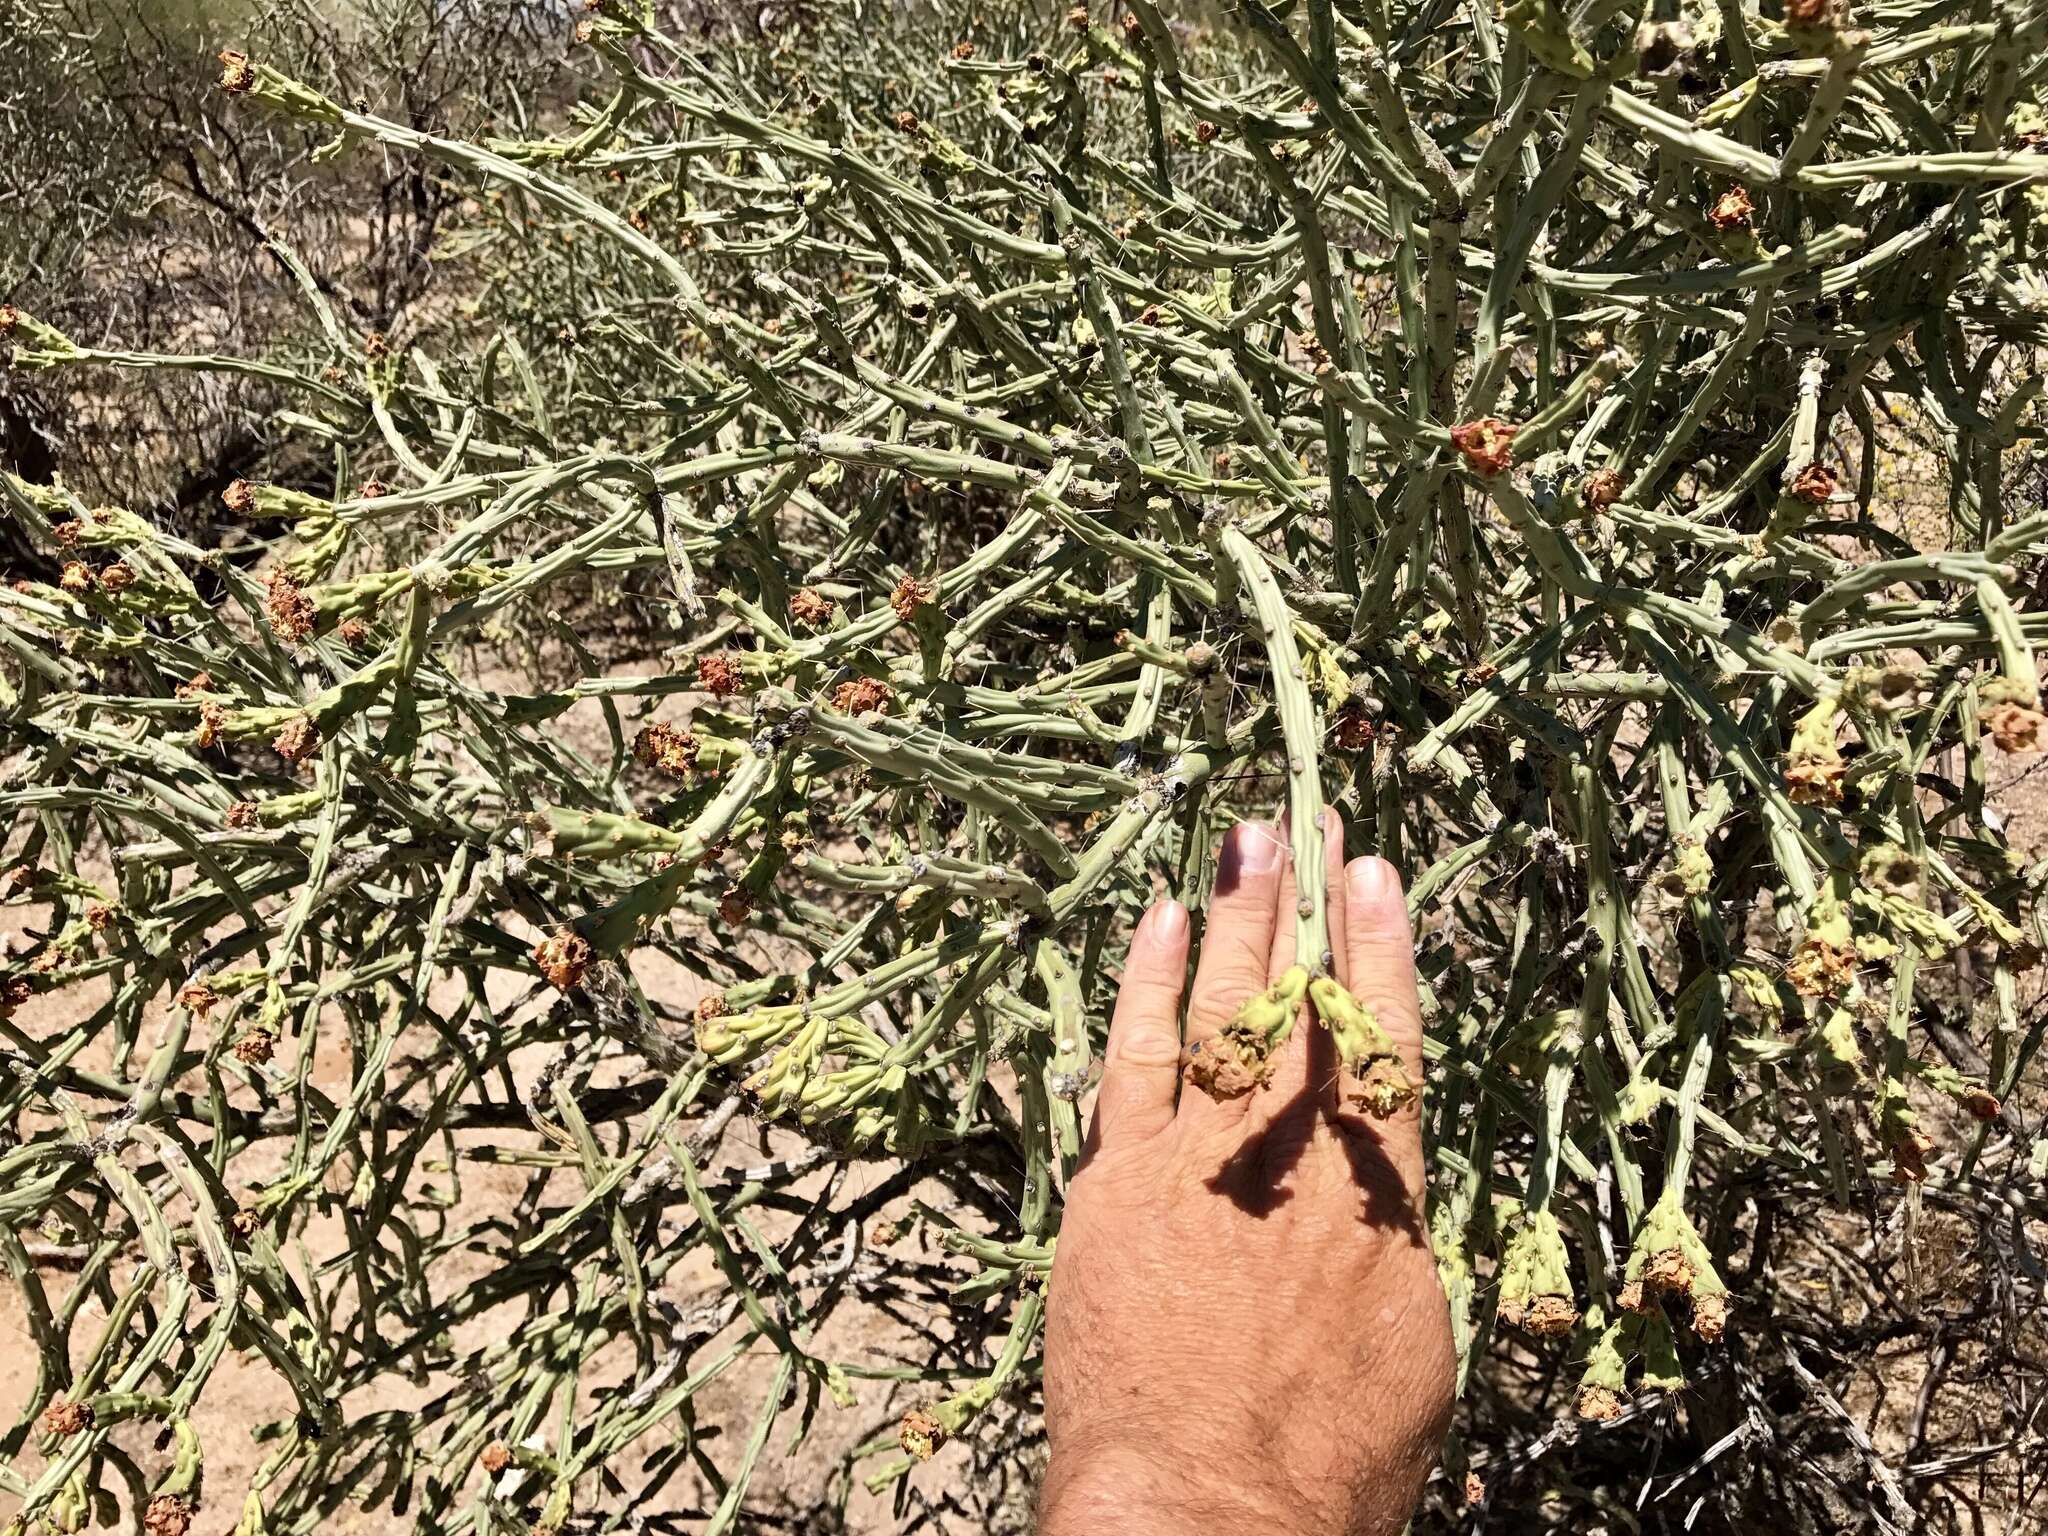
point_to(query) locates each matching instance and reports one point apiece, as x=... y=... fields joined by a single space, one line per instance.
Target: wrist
x=1167 y=1492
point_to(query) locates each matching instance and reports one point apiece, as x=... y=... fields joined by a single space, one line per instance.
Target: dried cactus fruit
x=1237 y=1060
x=1535 y=1277
x=1374 y=1079
x=1668 y=1262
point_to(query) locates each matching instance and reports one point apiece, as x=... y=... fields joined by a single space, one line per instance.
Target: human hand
x=1245 y=1331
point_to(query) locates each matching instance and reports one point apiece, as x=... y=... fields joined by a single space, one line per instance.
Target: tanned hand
x=1245 y=1332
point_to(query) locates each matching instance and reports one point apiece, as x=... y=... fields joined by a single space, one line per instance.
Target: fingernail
x=1169 y=921
x=1372 y=881
x=1252 y=848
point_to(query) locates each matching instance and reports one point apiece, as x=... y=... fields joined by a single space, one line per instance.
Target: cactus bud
x=1487 y=444
x=563 y=958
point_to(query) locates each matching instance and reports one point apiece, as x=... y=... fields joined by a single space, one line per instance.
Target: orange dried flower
x=256 y=1047
x=371 y=489
x=921 y=1434
x=77 y=576
x=168 y=1514
x=291 y=613
x=1731 y=210
x=202 y=682
x=963 y=50
x=1599 y=1405
x=735 y=905
x=1487 y=444
x=661 y=745
x=242 y=814
x=376 y=346
x=563 y=958
x=99 y=917
x=212 y=717
x=906 y=121
x=860 y=695
x=1600 y=490
x=64 y=1417
x=496 y=1457
x=719 y=675
x=910 y=596
x=352 y=632
x=1818 y=782
x=807 y=605
x=1821 y=969
x=68 y=532
x=1981 y=1103
x=1206 y=131
x=1077 y=18
x=1814 y=483
x=240 y=496
x=236 y=74
x=299 y=739
x=1353 y=732
x=2014 y=727
x=197 y=998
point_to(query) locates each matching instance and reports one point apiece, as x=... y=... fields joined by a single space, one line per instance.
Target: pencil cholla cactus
x=934 y=514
